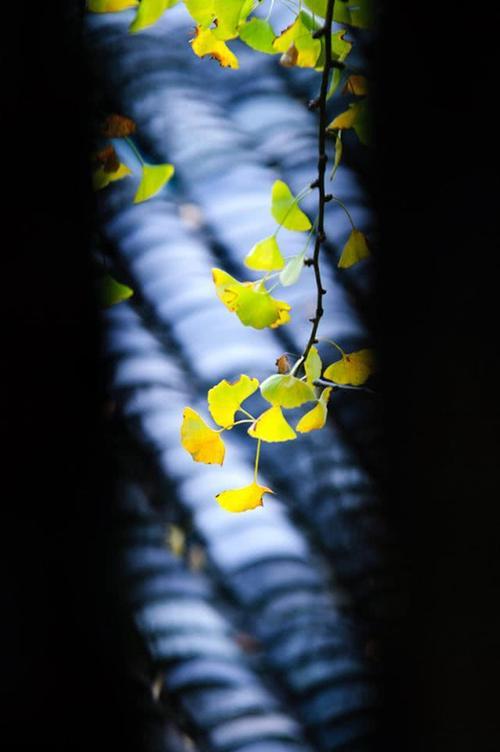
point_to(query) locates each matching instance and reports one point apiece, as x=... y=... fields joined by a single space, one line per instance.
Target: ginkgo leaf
x=300 y=38
x=272 y=426
x=102 y=178
x=202 y=442
x=149 y=12
x=243 y=499
x=229 y=15
x=110 y=291
x=334 y=83
x=259 y=35
x=286 y=390
x=318 y=7
x=176 y=540
x=353 y=368
x=206 y=43
x=315 y=419
x=154 y=177
x=358 y=13
x=356 y=85
x=357 y=117
x=292 y=271
x=202 y=11
x=265 y=256
x=338 y=154
x=313 y=365
x=285 y=210
x=346 y=119
x=251 y=302
x=117 y=126
x=356 y=249
x=224 y=399
x=110 y=6
x=341 y=47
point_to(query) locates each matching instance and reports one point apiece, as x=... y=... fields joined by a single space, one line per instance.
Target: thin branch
x=325 y=382
x=319 y=183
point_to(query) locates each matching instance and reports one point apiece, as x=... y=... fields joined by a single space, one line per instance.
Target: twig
x=325 y=382
x=319 y=183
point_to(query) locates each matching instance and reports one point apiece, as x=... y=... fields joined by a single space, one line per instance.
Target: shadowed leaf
x=286 y=390
x=356 y=249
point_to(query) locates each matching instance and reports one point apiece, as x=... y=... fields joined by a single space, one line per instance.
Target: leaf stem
x=325 y=382
x=245 y=412
x=344 y=207
x=135 y=150
x=257 y=457
x=320 y=182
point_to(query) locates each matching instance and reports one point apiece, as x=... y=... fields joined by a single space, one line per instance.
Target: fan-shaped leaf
x=224 y=399
x=243 y=499
x=229 y=15
x=292 y=271
x=202 y=442
x=203 y=11
x=356 y=249
x=271 y=426
x=299 y=36
x=265 y=256
x=251 y=302
x=259 y=35
x=154 y=177
x=315 y=418
x=149 y=12
x=206 y=43
x=286 y=390
x=101 y=177
x=356 y=85
x=285 y=210
x=353 y=368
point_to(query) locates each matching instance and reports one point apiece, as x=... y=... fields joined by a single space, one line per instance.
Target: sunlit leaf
x=202 y=442
x=243 y=499
x=224 y=399
x=110 y=291
x=149 y=12
x=110 y=6
x=265 y=256
x=292 y=271
x=357 y=117
x=299 y=37
x=356 y=249
x=259 y=35
x=117 y=126
x=315 y=418
x=271 y=426
x=353 y=368
x=251 y=302
x=154 y=177
x=286 y=390
x=285 y=210
x=203 y=11
x=357 y=85
x=229 y=14
x=206 y=43
x=358 y=13
x=346 y=119
x=313 y=365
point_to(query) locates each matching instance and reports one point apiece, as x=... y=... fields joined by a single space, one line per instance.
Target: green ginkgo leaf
x=111 y=292
x=110 y=6
x=298 y=45
x=285 y=210
x=313 y=365
x=229 y=15
x=203 y=11
x=358 y=13
x=259 y=35
x=286 y=390
x=154 y=177
x=356 y=249
x=292 y=271
x=148 y=13
x=251 y=302
x=265 y=256
x=224 y=399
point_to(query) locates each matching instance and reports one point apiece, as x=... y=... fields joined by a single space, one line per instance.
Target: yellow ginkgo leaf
x=285 y=210
x=272 y=426
x=251 y=302
x=202 y=442
x=313 y=365
x=353 y=368
x=154 y=177
x=149 y=12
x=356 y=249
x=346 y=119
x=102 y=178
x=110 y=6
x=357 y=85
x=299 y=38
x=229 y=15
x=315 y=418
x=224 y=399
x=265 y=256
x=243 y=499
x=286 y=391
x=206 y=43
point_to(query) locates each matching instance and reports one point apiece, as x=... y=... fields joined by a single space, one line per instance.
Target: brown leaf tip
x=118 y=126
